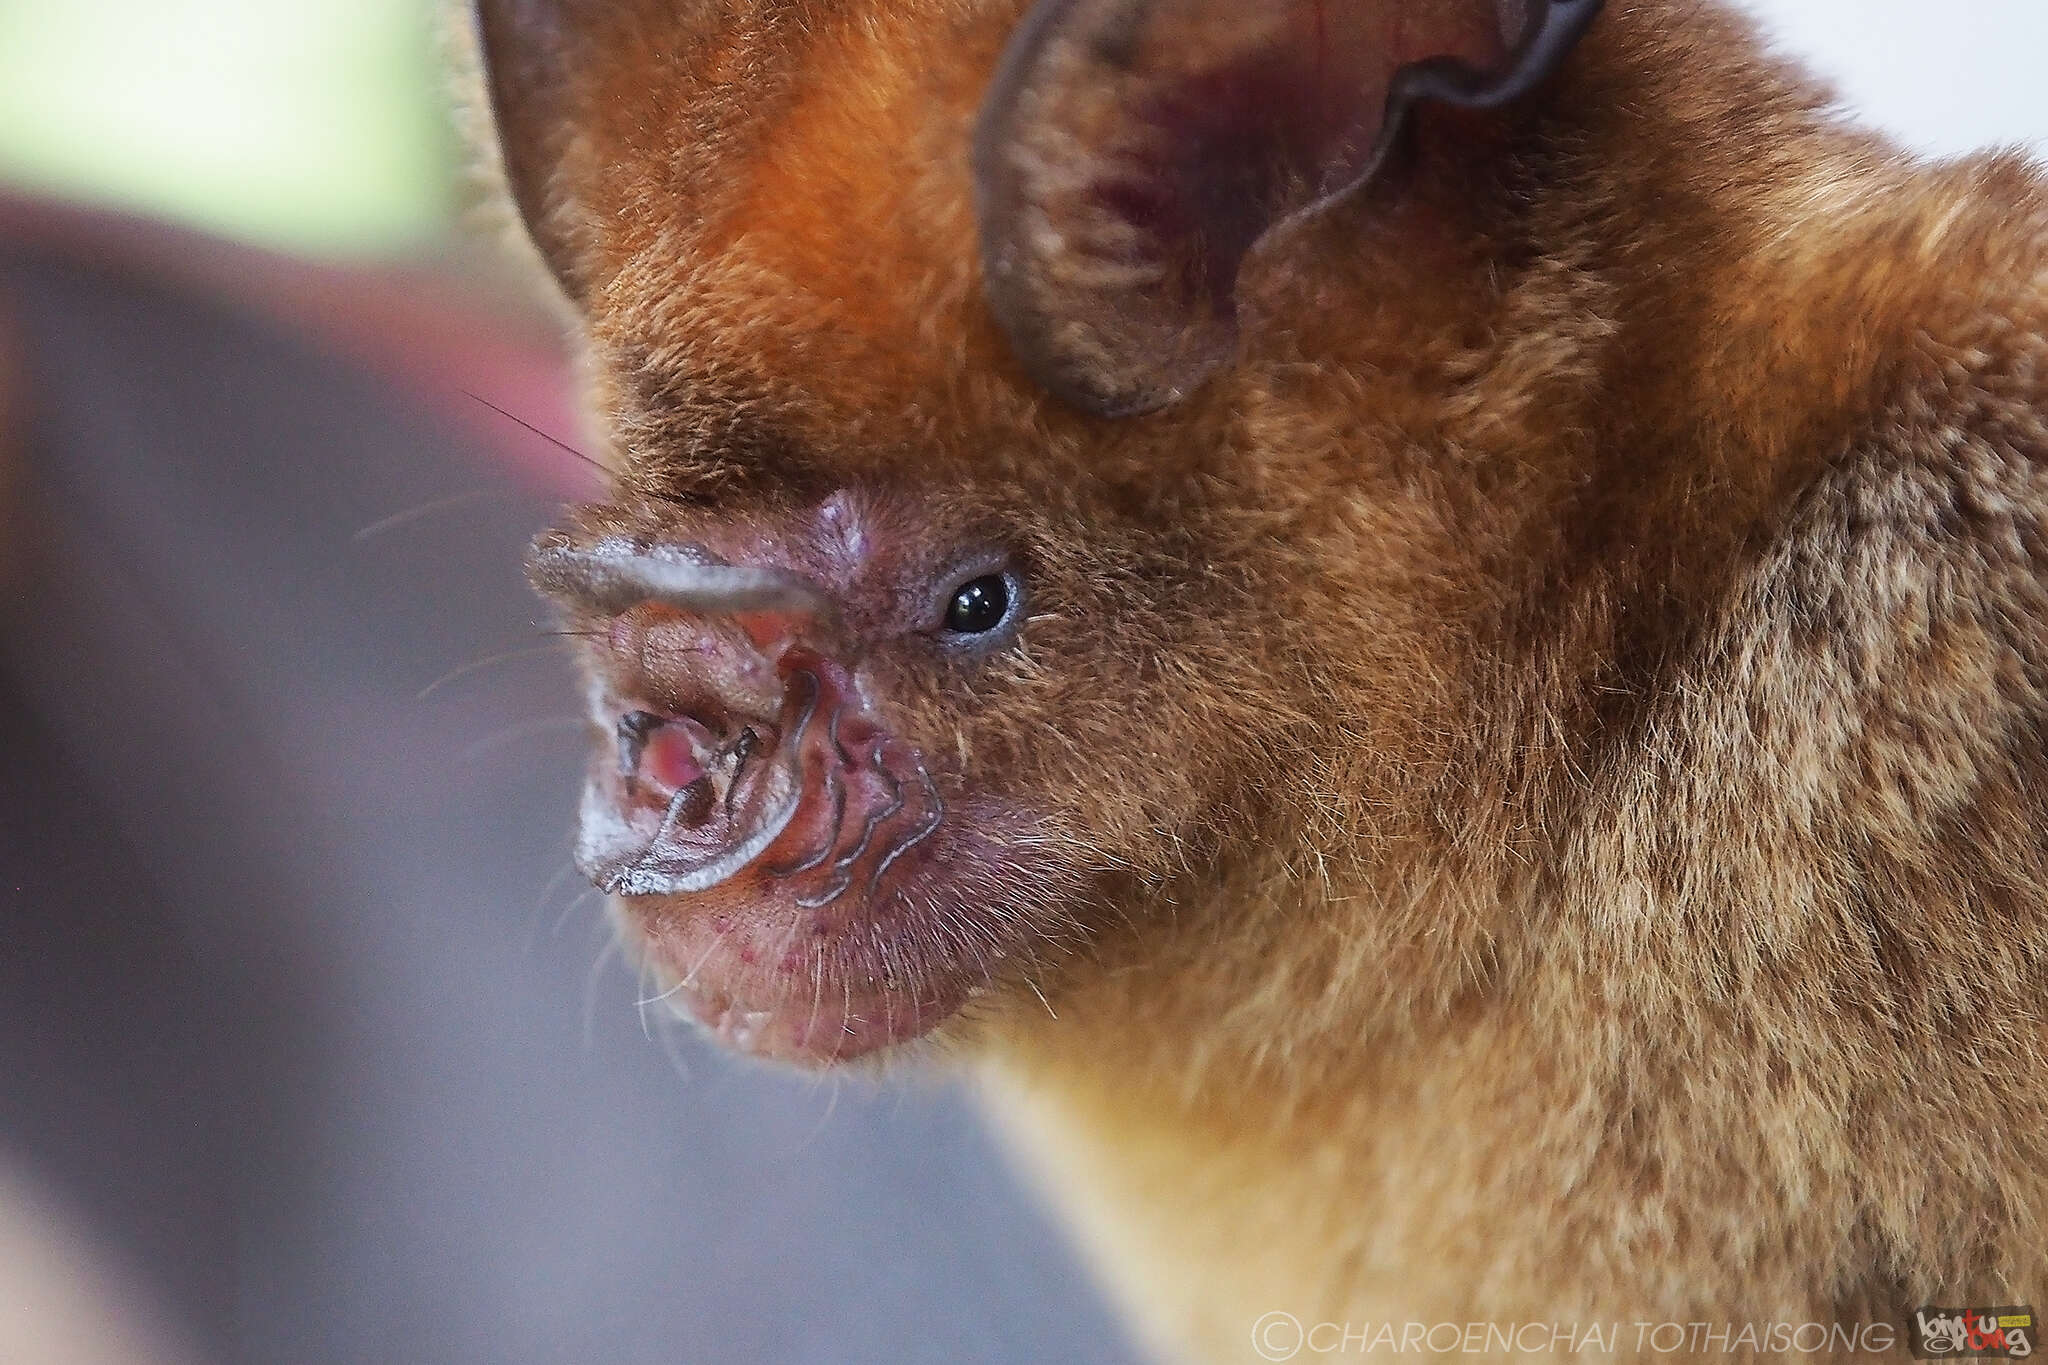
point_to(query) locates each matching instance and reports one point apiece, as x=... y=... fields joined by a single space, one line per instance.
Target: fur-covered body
x=1555 y=732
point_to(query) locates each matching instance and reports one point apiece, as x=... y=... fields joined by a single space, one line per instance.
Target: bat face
x=870 y=744
x=820 y=796
x=912 y=667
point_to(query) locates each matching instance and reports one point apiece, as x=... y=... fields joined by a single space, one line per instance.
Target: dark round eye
x=979 y=606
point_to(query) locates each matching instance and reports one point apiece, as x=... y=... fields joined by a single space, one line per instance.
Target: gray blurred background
x=312 y=1049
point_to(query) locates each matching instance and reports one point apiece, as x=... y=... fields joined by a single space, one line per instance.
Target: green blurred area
x=313 y=125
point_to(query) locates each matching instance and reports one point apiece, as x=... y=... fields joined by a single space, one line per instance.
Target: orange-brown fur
x=1568 y=704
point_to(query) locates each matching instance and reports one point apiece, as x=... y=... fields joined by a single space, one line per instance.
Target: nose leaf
x=743 y=746
x=614 y=576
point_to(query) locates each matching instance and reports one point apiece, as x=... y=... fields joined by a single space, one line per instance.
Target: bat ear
x=1131 y=152
x=527 y=49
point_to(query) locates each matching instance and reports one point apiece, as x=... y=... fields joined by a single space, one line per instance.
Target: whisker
x=613 y=948
x=477 y=665
x=542 y=898
x=781 y=952
x=890 y=975
x=817 y=994
x=640 y=999
x=523 y=730
x=690 y=977
x=668 y=994
x=1040 y=994
x=831 y=1080
x=554 y=884
x=553 y=440
x=916 y=1013
x=845 y=1014
x=665 y=1037
x=427 y=509
x=583 y=898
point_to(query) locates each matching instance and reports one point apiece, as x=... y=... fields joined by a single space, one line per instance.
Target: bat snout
x=778 y=844
x=741 y=746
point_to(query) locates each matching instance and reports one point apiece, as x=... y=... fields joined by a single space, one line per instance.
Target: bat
x=1417 y=628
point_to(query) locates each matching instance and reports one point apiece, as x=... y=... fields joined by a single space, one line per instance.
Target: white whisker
x=427 y=509
x=522 y=730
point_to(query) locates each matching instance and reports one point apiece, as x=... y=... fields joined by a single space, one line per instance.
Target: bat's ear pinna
x=528 y=50
x=1131 y=152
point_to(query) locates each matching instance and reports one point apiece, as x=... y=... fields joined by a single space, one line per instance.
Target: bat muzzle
x=741 y=753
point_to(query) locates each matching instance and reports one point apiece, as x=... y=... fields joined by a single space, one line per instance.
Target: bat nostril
x=669 y=762
x=633 y=731
x=662 y=758
x=636 y=726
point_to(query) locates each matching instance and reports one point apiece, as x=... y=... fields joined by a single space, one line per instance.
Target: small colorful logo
x=1973 y=1333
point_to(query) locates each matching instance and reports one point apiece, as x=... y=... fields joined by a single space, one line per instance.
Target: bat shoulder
x=1923 y=509
x=1871 y=706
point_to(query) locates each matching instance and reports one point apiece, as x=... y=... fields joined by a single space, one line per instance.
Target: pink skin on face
x=794 y=868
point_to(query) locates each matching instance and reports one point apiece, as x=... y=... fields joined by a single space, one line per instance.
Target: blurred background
x=310 y=1049
x=318 y=125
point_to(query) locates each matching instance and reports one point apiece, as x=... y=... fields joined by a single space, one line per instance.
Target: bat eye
x=979 y=605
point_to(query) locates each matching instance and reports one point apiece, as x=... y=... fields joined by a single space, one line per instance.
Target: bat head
x=918 y=657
